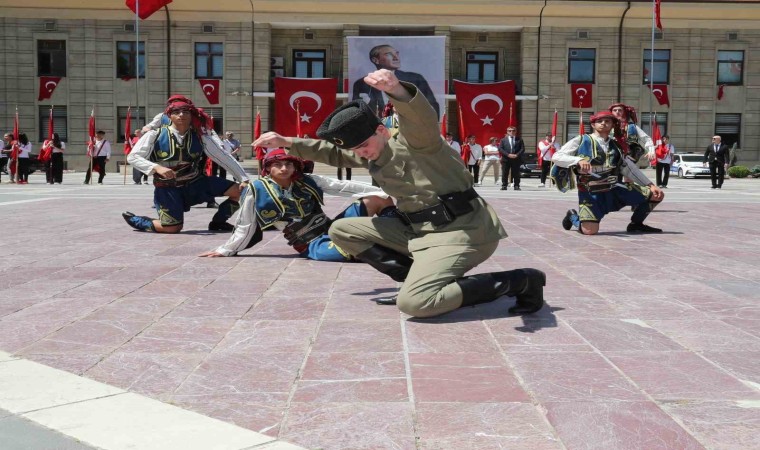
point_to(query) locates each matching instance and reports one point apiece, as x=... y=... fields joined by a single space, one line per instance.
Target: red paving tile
x=624 y=356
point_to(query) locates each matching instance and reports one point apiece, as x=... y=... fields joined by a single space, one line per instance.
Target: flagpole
x=18 y=149
x=651 y=66
x=137 y=64
x=126 y=136
x=91 y=145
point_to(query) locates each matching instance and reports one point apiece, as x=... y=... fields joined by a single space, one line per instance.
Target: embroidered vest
x=273 y=206
x=167 y=149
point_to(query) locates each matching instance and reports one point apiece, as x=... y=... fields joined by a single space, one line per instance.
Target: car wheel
x=680 y=173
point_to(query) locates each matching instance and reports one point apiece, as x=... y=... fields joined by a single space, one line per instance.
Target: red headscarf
x=200 y=120
x=279 y=154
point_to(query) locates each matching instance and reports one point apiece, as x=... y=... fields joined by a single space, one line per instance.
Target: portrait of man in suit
x=386 y=55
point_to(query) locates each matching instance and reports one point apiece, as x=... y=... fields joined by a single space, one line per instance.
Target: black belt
x=452 y=205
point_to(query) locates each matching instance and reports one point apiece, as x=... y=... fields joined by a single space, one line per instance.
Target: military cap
x=349 y=125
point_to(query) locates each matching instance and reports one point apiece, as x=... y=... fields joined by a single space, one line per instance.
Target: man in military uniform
x=602 y=170
x=173 y=154
x=444 y=228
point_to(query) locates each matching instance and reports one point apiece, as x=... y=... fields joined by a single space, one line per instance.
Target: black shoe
x=390 y=262
x=664 y=187
x=567 y=222
x=220 y=226
x=641 y=228
x=212 y=205
x=503 y=188
x=714 y=187
x=527 y=285
x=517 y=188
x=387 y=300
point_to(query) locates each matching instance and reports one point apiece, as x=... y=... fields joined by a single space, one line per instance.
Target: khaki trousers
x=487 y=164
x=429 y=289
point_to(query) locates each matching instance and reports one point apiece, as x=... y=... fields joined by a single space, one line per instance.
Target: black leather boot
x=527 y=285
x=387 y=261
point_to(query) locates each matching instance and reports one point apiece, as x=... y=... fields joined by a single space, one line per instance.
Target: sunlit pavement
x=646 y=341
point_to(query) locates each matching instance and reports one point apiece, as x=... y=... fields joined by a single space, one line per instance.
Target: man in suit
x=386 y=57
x=511 y=148
x=717 y=156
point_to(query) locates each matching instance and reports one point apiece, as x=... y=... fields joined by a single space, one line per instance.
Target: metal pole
x=651 y=72
x=137 y=61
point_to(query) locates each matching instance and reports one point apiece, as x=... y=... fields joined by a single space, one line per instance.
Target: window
x=581 y=65
x=573 y=124
x=60 y=122
x=309 y=63
x=209 y=59
x=127 y=62
x=730 y=67
x=661 y=72
x=217 y=115
x=51 y=58
x=138 y=121
x=728 y=127
x=481 y=66
x=662 y=123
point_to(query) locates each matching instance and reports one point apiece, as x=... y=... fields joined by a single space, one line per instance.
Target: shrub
x=738 y=172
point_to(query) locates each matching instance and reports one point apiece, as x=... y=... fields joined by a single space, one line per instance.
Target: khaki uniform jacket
x=415 y=168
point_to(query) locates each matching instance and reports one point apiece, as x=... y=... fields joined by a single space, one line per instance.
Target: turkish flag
x=657 y=17
x=127 y=132
x=210 y=89
x=443 y=125
x=660 y=92
x=313 y=99
x=484 y=107
x=720 y=91
x=258 y=152
x=91 y=133
x=582 y=95
x=47 y=86
x=657 y=138
x=581 y=127
x=147 y=7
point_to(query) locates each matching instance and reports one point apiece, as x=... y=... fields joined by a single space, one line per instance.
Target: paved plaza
x=646 y=342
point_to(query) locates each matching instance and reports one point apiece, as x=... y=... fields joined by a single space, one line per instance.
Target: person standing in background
x=472 y=156
x=491 y=159
x=101 y=154
x=546 y=149
x=664 y=159
x=55 y=169
x=24 y=148
x=511 y=148
x=717 y=156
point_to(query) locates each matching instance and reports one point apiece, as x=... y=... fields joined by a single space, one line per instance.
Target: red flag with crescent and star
x=147 y=7
x=210 y=89
x=47 y=86
x=484 y=107
x=660 y=92
x=443 y=125
x=720 y=91
x=582 y=95
x=91 y=133
x=313 y=99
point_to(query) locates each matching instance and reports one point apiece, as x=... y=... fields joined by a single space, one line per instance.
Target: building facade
x=705 y=57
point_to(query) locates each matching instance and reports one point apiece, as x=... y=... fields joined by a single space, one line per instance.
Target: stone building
x=705 y=49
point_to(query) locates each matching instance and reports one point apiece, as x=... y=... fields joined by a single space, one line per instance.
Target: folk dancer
x=607 y=180
x=173 y=154
x=291 y=201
